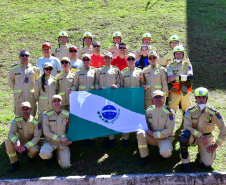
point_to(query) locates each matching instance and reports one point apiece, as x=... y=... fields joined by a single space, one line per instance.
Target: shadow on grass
x=206 y=42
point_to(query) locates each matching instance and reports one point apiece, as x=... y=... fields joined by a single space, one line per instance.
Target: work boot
x=208 y=168
x=162 y=158
x=185 y=168
x=14 y=166
x=91 y=142
x=85 y=142
x=124 y=143
x=106 y=142
x=111 y=143
x=143 y=161
x=33 y=160
x=49 y=162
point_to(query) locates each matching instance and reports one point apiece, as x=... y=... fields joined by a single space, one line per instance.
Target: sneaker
x=143 y=161
x=204 y=166
x=111 y=143
x=49 y=162
x=85 y=142
x=14 y=166
x=185 y=168
x=124 y=143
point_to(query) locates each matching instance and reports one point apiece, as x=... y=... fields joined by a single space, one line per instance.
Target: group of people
x=167 y=84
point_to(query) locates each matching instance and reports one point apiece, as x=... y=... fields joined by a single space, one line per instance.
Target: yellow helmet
x=174 y=38
x=63 y=34
x=201 y=91
x=117 y=34
x=146 y=35
x=88 y=34
x=178 y=49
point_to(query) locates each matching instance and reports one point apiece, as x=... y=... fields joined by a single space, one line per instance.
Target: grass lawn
x=199 y=24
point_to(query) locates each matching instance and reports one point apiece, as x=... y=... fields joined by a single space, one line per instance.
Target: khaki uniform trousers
x=205 y=157
x=125 y=136
x=143 y=139
x=175 y=99
x=12 y=152
x=147 y=103
x=63 y=153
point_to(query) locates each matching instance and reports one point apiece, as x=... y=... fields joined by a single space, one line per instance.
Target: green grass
x=199 y=24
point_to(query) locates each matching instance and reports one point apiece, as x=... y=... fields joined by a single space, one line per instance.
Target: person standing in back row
x=87 y=45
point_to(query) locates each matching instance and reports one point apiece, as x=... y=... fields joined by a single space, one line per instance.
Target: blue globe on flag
x=109 y=112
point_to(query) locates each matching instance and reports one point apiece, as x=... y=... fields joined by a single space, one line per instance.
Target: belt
x=207 y=134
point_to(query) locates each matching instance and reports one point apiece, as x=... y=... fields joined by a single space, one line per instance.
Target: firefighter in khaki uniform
x=62 y=50
x=161 y=122
x=45 y=88
x=130 y=77
x=87 y=48
x=117 y=39
x=55 y=125
x=108 y=77
x=169 y=56
x=24 y=135
x=65 y=80
x=155 y=78
x=180 y=74
x=21 y=80
x=199 y=123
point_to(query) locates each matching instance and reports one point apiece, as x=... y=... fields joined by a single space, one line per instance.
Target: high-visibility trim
x=63 y=136
x=82 y=87
x=43 y=97
x=34 y=121
x=50 y=113
x=16 y=66
x=30 y=144
x=104 y=87
x=32 y=90
x=150 y=109
x=210 y=111
x=183 y=78
x=13 y=138
x=55 y=137
x=158 y=134
x=142 y=146
x=219 y=140
x=165 y=110
x=39 y=112
x=164 y=93
x=18 y=91
x=19 y=119
x=196 y=133
x=92 y=87
x=66 y=113
x=158 y=86
x=59 y=162
x=12 y=155
x=193 y=110
x=148 y=86
x=62 y=93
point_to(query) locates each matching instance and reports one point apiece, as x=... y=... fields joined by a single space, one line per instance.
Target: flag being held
x=105 y=112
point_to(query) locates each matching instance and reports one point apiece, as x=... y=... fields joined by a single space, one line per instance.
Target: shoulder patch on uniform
x=66 y=113
x=211 y=110
x=150 y=108
x=19 y=118
x=100 y=66
x=80 y=69
x=115 y=67
x=15 y=66
x=35 y=121
x=125 y=70
x=165 y=110
x=59 y=74
x=192 y=109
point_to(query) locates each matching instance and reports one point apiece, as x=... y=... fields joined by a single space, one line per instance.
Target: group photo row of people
x=43 y=90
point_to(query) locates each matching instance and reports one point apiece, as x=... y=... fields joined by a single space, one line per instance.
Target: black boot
x=106 y=142
x=85 y=142
x=124 y=143
x=208 y=168
x=162 y=158
x=111 y=143
x=33 y=160
x=185 y=168
x=143 y=161
x=91 y=142
x=14 y=166
x=49 y=162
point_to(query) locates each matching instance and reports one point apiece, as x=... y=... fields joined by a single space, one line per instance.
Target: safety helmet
x=178 y=49
x=117 y=34
x=201 y=91
x=88 y=34
x=63 y=34
x=174 y=38
x=146 y=35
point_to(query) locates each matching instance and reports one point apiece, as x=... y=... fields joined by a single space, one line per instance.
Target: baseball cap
x=73 y=48
x=158 y=93
x=56 y=96
x=25 y=104
x=65 y=59
x=152 y=53
x=47 y=64
x=131 y=55
x=46 y=44
x=86 y=55
x=107 y=53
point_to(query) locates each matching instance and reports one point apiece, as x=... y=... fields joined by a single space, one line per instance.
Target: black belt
x=207 y=134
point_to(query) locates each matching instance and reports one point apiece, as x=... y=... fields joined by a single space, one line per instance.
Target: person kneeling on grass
x=24 y=135
x=55 y=124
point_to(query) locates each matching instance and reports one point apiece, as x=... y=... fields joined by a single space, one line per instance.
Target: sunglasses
x=71 y=51
x=152 y=58
x=86 y=59
x=24 y=55
x=49 y=69
x=122 y=47
x=96 y=46
x=158 y=97
x=130 y=59
x=64 y=62
x=46 y=49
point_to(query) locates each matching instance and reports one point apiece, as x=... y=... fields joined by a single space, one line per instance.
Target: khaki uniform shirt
x=64 y=81
x=182 y=69
x=61 y=52
x=16 y=81
x=131 y=78
x=84 y=50
x=84 y=80
x=27 y=132
x=44 y=98
x=107 y=76
x=155 y=79
x=168 y=58
x=161 y=121
x=55 y=126
x=203 y=122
